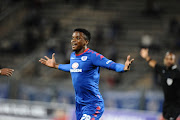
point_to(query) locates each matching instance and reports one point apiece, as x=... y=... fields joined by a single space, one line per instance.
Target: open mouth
x=74 y=44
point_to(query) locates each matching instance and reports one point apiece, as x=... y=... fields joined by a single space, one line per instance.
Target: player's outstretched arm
x=101 y=61
x=145 y=55
x=128 y=63
x=6 y=71
x=49 y=62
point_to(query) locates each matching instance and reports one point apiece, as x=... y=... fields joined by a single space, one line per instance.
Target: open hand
x=144 y=53
x=6 y=72
x=48 y=62
x=128 y=63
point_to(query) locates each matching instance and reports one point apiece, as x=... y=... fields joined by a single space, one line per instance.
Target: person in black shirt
x=170 y=82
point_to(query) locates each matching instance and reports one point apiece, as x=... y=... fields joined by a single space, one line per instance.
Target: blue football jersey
x=84 y=69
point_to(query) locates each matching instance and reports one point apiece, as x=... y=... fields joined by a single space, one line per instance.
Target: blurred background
x=31 y=29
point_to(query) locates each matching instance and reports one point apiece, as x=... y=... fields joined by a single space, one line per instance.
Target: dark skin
x=79 y=45
x=6 y=72
x=78 y=42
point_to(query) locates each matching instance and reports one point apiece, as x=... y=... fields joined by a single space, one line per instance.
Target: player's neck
x=169 y=67
x=81 y=51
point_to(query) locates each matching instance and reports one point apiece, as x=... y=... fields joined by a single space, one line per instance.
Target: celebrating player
x=6 y=71
x=84 y=68
x=170 y=81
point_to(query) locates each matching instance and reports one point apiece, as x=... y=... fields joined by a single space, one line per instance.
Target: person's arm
x=64 y=67
x=52 y=63
x=145 y=55
x=6 y=71
x=101 y=61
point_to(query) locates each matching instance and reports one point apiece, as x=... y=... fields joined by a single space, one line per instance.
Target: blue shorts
x=89 y=111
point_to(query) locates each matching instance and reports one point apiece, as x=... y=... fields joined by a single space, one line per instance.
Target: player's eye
x=73 y=38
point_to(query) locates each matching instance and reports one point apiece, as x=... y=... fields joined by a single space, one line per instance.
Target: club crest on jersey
x=84 y=58
x=75 y=65
x=169 y=81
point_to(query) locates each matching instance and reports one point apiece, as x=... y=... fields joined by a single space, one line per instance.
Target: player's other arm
x=6 y=71
x=145 y=55
x=99 y=60
x=52 y=63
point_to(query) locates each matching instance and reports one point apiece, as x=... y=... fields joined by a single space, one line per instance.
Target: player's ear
x=86 y=42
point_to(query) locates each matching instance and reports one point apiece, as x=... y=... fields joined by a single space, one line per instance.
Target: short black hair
x=171 y=53
x=86 y=33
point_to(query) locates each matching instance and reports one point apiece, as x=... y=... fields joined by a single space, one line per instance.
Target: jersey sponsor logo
x=75 y=65
x=72 y=58
x=75 y=70
x=169 y=81
x=108 y=61
x=86 y=117
x=84 y=58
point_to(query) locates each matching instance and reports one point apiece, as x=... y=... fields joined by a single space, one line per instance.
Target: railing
x=26 y=110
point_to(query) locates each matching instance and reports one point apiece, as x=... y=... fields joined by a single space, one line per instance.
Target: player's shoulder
x=160 y=66
x=175 y=68
x=95 y=54
x=91 y=51
x=73 y=53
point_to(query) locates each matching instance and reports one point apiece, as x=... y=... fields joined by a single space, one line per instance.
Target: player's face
x=169 y=60
x=78 y=42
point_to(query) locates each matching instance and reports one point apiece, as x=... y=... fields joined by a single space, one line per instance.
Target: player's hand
x=128 y=63
x=6 y=72
x=144 y=53
x=48 y=62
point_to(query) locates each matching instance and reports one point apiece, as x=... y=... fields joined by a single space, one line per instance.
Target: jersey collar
x=174 y=67
x=83 y=52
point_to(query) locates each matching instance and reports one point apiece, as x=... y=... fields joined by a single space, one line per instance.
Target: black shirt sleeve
x=158 y=68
